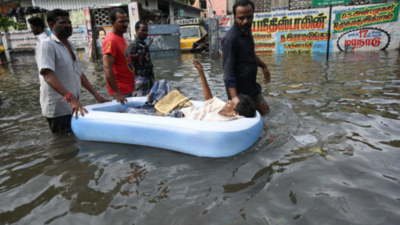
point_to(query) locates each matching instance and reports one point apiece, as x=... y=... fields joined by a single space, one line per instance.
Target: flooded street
x=329 y=152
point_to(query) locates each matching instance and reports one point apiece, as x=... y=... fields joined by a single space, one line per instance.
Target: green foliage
x=6 y=22
x=11 y=2
x=190 y=2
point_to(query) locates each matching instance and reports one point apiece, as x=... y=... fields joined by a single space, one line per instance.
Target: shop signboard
x=319 y=3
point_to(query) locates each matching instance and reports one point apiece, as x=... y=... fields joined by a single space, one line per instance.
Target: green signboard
x=319 y=3
x=366 y=16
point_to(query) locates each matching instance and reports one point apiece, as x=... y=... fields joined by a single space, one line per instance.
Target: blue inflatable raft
x=199 y=138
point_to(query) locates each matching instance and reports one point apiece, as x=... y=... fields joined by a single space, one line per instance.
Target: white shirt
x=209 y=112
x=53 y=55
x=40 y=38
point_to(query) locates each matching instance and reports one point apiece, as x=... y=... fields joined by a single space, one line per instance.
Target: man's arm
x=51 y=79
x=108 y=61
x=229 y=52
x=132 y=52
x=86 y=84
x=204 y=84
x=267 y=74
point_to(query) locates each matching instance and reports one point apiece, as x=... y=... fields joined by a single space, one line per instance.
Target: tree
x=189 y=2
x=6 y=23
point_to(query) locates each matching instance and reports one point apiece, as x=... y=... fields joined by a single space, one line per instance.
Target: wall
x=81 y=4
x=165 y=40
x=219 y=6
x=360 y=28
x=5 y=8
x=190 y=11
x=229 y=6
x=277 y=5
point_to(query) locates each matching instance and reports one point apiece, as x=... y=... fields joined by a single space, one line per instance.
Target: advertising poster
x=367 y=28
x=79 y=35
x=88 y=23
x=22 y=39
x=291 y=32
x=133 y=17
x=77 y=16
x=100 y=34
x=225 y=23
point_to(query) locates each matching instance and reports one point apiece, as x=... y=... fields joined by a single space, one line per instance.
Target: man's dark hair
x=113 y=13
x=242 y=3
x=37 y=22
x=140 y=22
x=98 y=29
x=246 y=106
x=54 y=14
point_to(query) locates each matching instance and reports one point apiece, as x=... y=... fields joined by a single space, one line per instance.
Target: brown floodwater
x=329 y=152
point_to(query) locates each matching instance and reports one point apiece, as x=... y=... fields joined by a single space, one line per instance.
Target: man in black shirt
x=240 y=61
x=140 y=56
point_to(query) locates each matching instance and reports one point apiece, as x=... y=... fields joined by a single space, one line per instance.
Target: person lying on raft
x=215 y=109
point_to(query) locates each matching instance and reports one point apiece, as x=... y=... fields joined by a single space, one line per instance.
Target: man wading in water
x=61 y=74
x=140 y=55
x=240 y=61
x=117 y=62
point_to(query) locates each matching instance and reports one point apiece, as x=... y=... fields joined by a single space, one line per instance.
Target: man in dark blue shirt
x=240 y=60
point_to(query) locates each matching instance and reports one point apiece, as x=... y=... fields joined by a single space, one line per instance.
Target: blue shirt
x=240 y=64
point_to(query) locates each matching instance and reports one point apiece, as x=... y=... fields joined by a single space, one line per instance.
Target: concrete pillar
x=171 y=14
x=6 y=44
x=6 y=40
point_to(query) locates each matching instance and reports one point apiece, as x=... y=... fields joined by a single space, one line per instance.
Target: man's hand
x=198 y=65
x=267 y=75
x=135 y=57
x=76 y=106
x=235 y=101
x=147 y=56
x=120 y=98
x=100 y=99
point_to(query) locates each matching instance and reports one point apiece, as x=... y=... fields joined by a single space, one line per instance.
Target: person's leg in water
x=60 y=124
x=261 y=104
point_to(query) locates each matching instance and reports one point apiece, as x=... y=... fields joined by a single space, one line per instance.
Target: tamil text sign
x=319 y=3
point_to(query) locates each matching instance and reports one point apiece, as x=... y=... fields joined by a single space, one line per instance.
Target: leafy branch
x=6 y=23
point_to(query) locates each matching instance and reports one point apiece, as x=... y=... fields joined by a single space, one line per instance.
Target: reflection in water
x=346 y=173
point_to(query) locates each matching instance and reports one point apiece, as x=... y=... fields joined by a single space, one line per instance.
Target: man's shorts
x=258 y=99
x=60 y=124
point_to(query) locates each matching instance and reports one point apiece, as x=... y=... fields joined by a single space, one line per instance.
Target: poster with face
x=101 y=33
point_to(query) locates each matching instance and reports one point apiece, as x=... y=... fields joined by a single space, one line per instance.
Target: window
x=203 y=4
x=189 y=32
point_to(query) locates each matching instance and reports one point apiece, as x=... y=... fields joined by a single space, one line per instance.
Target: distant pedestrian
x=240 y=61
x=117 y=62
x=38 y=28
x=140 y=55
x=61 y=74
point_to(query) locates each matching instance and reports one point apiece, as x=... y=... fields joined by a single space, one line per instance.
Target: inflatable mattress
x=200 y=138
